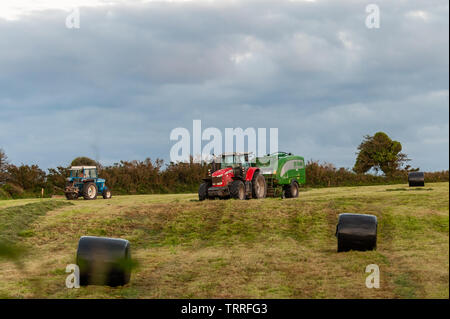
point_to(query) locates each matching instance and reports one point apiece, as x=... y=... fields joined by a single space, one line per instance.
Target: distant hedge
x=155 y=177
x=327 y=175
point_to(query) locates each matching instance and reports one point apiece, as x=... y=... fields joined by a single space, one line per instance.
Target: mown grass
x=269 y=248
x=14 y=222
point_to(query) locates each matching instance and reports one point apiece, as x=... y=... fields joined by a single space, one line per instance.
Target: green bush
x=4 y=194
x=13 y=190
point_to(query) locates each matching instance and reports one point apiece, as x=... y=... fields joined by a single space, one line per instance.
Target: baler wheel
x=291 y=190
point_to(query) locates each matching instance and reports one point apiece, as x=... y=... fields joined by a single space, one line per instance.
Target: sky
x=114 y=88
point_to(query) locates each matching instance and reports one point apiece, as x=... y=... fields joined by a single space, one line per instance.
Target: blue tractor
x=84 y=181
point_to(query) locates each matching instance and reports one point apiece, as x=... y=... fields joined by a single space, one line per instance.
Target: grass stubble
x=269 y=248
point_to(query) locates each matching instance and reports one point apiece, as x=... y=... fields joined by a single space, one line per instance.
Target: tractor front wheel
x=203 y=191
x=237 y=190
x=90 y=191
x=106 y=193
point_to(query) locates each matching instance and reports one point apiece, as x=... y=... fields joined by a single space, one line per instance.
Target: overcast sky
x=114 y=88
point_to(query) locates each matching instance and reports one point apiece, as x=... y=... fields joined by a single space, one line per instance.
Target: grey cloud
x=117 y=86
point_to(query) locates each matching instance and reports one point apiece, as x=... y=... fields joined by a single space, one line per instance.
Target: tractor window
x=90 y=173
x=227 y=161
x=75 y=173
x=243 y=160
x=234 y=161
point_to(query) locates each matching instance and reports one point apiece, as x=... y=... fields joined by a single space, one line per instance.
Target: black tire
x=104 y=261
x=259 y=186
x=106 y=193
x=291 y=190
x=90 y=191
x=356 y=232
x=237 y=190
x=203 y=191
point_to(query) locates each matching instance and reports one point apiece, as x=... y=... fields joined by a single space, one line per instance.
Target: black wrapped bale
x=416 y=179
x=104 y=261
x=356 y=232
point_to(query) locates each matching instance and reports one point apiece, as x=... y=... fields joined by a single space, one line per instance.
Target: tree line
x=125 y=177
x=377 y=153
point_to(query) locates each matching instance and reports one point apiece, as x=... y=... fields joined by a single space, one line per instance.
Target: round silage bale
x=104 y=261
x=356 y=232
x=416 y=179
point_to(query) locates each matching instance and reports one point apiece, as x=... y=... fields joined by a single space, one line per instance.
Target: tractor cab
x=80 y=172
x=234 y=160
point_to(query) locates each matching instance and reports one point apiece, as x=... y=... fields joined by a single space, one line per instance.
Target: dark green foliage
x=80 y=161
x=12 y=190
x=327 y=175
x=379 y=152
x=21 y=181
x=135 y=177
x=56 y=180
x=27 y=177
x=4 y=194
x=186 y=177
x=147 y=177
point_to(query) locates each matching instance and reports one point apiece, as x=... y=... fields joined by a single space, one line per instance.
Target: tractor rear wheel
x=259 y=186
x=106 y=193
x=203 y=191
x=237 y=190
x=291 y=190
x=90 y=191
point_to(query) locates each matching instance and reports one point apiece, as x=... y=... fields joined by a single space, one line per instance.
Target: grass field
x=269 y=248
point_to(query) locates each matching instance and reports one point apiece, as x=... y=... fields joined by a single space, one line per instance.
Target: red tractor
x=233 y=176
